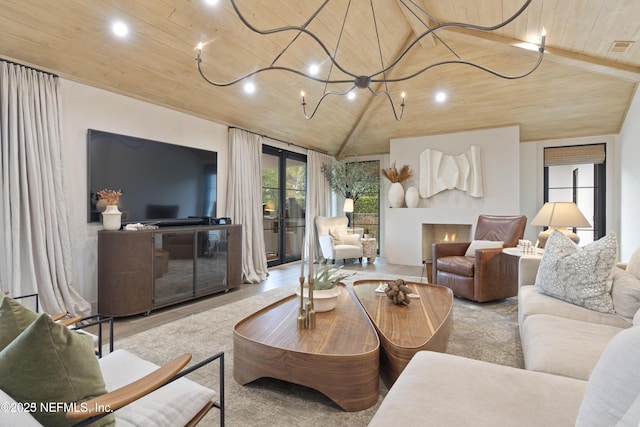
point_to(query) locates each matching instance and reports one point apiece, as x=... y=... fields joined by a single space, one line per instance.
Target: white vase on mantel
x=111 y=218
x=412 y=197
x=396 y=195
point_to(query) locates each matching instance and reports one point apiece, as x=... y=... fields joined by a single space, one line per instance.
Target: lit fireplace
x=449 y=239
x=432 y=233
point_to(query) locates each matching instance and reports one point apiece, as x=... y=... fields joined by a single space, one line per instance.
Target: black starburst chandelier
x=379 y=77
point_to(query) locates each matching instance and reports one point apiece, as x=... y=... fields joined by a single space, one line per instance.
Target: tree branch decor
x=351 y=179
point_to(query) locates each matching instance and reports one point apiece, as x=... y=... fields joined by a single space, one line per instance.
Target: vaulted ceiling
x=582 y=87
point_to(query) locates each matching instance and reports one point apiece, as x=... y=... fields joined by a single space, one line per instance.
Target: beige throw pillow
x=338 y=235
x=625 y=293
x=633 y=266
x=579 y=275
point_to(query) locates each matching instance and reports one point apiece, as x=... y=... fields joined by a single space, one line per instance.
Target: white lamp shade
x=348 y=205
x=560 y=214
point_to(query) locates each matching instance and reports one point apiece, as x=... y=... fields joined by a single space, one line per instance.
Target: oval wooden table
x=340 y=357
x=424 y=324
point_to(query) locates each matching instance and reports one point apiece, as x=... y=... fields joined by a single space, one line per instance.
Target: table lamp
x=559 y=216
x=348 y=208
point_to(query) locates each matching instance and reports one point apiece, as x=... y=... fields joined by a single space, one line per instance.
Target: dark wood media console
x=139 y=271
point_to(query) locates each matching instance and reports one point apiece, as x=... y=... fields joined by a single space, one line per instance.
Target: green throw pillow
x=51 y=365
x=14 y=318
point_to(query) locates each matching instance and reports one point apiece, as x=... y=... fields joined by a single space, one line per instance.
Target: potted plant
x=396 y=191
x=325 y=289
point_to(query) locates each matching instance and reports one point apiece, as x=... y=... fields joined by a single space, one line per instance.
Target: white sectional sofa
x=559 y=337
x=582 y=369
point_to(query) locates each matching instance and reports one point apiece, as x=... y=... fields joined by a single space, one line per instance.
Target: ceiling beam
x=558 y=56
x=426 y=42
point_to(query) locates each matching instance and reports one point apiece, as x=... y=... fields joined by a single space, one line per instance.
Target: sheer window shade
x=574 y=155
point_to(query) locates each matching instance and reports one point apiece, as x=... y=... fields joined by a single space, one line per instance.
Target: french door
x=284 y=200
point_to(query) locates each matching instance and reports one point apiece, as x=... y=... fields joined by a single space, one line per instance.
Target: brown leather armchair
x=490 y=275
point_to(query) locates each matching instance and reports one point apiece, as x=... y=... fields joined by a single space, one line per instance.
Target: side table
x=369 y=249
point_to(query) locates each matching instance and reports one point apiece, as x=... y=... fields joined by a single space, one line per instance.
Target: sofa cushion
x=457 y=264
x=613 y=389
x=563 y=346
x=482 y=244
x=48 y=363
x=625 y=293
x=437 y=389
x=174 y=404
x=14 y=318
x=531 y=302
x=579 y=275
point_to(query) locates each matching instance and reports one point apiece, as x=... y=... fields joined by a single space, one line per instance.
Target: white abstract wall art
x=439 y=172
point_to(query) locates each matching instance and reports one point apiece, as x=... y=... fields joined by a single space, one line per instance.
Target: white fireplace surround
x=403 y=240
x=435 y=233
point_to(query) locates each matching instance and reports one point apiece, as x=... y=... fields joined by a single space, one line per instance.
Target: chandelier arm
x=324 y=95
x=260 y=70
x=335 y=52
x=453 y=25
x=472 y=64
x=297 y=29
x=375 y=26
x=393 y=107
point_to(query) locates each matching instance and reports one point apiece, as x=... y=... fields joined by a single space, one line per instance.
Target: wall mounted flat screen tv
x=158 y=180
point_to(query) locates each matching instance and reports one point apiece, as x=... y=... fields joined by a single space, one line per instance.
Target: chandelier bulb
x=200 y=46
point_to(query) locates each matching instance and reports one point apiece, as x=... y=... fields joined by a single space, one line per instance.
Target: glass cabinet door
x=173 y=266
x=211 y=261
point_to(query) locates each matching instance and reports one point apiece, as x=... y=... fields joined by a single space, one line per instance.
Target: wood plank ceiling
x=582 y=87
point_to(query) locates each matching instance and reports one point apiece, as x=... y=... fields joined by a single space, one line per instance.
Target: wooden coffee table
x=424 y=324
x=340 y=357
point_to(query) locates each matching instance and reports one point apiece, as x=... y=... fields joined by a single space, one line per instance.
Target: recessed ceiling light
x=249 y=87
x=441 y=96
x=351 y=95
x=120 y=29
x=211 y=2
x=313 y=69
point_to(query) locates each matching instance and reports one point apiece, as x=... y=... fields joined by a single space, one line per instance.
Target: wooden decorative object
x=398 y=292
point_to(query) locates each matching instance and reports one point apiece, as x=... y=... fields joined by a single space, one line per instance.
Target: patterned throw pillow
x=579 y=275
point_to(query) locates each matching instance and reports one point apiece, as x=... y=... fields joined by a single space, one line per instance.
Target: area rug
x=487 y=331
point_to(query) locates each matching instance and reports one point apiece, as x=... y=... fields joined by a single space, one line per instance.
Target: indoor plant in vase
x=325 y=288
x=396 y=191
x=111 y=216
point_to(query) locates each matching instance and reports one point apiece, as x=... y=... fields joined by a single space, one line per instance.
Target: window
x=577 y=174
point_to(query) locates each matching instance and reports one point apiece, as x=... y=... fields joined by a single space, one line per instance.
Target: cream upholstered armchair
x=335 y=241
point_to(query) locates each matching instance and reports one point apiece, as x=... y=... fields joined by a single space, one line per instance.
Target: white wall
x=629 y=141
x=501 y=177
x=85 y=107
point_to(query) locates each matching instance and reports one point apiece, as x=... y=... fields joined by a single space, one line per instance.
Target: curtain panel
x=244 y=201
x=319 y=200
x=35 y=247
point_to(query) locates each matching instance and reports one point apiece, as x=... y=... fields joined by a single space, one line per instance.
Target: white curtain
x=319 y=199
x=35 y=248
x=244 y=201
